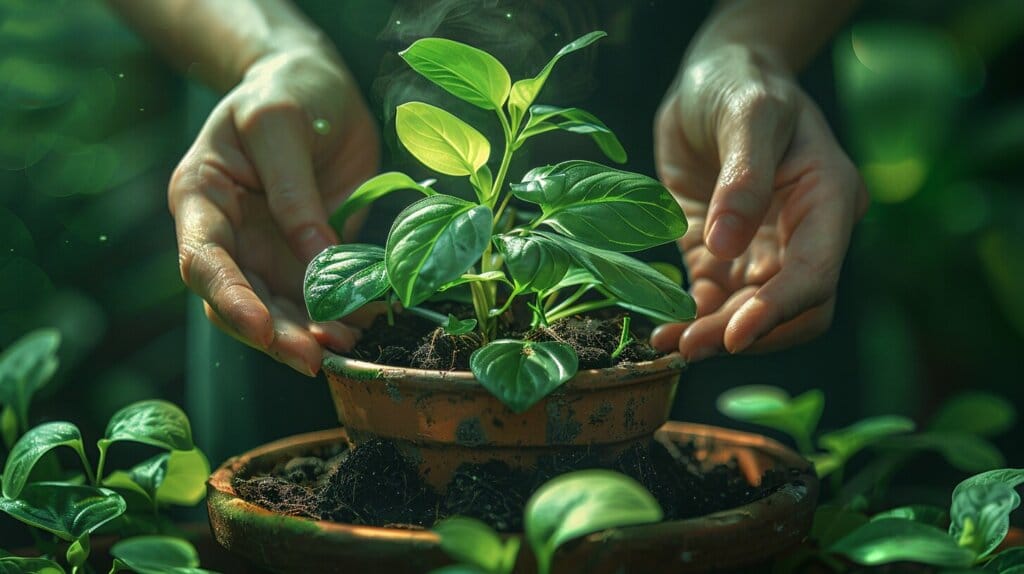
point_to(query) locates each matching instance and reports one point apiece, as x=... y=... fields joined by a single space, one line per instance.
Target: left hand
x=770 y=197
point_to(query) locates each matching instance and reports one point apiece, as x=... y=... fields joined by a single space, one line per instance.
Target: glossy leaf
x=433 y=242
x=373 y=189
x=547 y=118
x=581 y=503
x=774 y=408
x=520 y=373
x=343 y=278
x=604 y=207
x=637 y=286
x=670 y=271
x=524 y=92
x=931 y=515
x=980 y=515
x=1008 y=561
x=964 y=451
x=898 y=540
x=472 y=542
x=154 y=422
x=32 y=446
x=976 y=412
x=150 y=474
x=185 y=481
x=25 y=367
x=156 y=555
x=463 y=71
x=850 y=440
x=456 y=326
x=20 y=565
x=441 y=141
x=68 y=511
x=534 y=265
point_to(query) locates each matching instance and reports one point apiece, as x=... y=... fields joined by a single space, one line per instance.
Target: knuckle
x=250 y=118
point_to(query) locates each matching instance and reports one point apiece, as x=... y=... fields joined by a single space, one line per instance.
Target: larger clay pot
x=442 y=419
x=730 y=540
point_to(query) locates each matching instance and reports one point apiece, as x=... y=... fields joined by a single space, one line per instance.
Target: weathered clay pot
x=730 y=540
x=444 y=419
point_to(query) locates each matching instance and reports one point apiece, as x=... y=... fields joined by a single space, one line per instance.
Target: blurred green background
x=926 y=97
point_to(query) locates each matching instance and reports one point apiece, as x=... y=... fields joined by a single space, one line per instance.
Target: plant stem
x=624 y=338
x=506 y=158
x=102 y=445
x=571 y=299
x=581 y=308
x=427 y=314
x=88 y=470
x=482 y=306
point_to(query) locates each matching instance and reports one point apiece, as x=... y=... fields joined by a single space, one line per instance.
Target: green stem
x=103 y=445
x=571 y=298
x=508 y=303
x=624 y=338
x=427 y=314
x=88 y=469
x=581 y=308
x=482 y=306
x=506 y=159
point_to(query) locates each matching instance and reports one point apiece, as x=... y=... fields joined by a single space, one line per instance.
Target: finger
x=803 y=328
x=708 y=296
x=330 y=333
x=292 y=345
x=665 y=338
x=205 y=243
x=277 y=142
x=705 y=337
x=751 y=142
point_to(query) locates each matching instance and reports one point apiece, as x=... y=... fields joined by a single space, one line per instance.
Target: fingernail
x=311 y=240
x=723 y=237
x=299 y=365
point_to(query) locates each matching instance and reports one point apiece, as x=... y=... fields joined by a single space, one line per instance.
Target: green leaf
x=976 y=412
x=25 y=367
x=32 y=446
x=373 y=189
x=1007 y=561
x=547 y=118
x=931 y=515
x=637 y=286
x=185 y=481
x=464 y=71
x=774 y=408
x=441 y=141
x=156 y=555
x=433 y=242
x=458 y=569
x=980 y=515
x=898 y=540
x=524 y=92
x=68 y=511
x=832 y=522
x=850 y=440
x=147 y=475
x=9 y=426
x=581 y=503
x=520 y=373
x=672 y=272
x=964 y=451
x=1012 y=477
x=482 y=181
x=456 y=326
x=603 y=207
x=472 y=542
x=343 y=278
x=535 y=265
x=154 y=422
x=19 y=565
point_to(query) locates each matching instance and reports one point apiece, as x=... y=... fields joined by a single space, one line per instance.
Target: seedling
x=589 y=217
x=38 y=493
x=565 y=508
x=624 y=339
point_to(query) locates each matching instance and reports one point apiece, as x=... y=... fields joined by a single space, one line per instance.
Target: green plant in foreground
x=566 y=507
x=590 y=216
x=70 y=508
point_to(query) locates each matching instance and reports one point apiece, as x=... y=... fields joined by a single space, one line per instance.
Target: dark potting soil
x=416 y=342
x=375 y=486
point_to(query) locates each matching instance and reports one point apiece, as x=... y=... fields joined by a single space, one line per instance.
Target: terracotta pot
x=444 y=419
x=731 y=539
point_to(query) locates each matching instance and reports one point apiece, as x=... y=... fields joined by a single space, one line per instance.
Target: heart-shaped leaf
x=32 y=446
x=456 y=326
x=343 y=278
x=25 y=367
x=774 y=408
x=441 y=141
x=535 y=265
x=547 y=118
x=980 y=515
x=147 y=476
x=637 y=286
x=524 y=92
x=976 y=412
x=520 y=373
x=581 y=503
x=373 y=189
x=68 y=511
x=156 y=555
x=463 y=71
x=899 y=540
x=932 y=515
x=19 y=565
x=433 y=242
x=185 y=481
x=154 y=422
x=850 y=440
x=470 y=541
x=604 y=207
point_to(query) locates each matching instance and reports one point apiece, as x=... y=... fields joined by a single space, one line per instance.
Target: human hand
x=771 y=200
x=250 y=200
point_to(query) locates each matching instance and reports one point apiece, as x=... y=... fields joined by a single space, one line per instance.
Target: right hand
x=251 y=199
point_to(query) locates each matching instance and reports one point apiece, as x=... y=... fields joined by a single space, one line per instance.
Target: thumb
x=750 y=147
x=279 y=149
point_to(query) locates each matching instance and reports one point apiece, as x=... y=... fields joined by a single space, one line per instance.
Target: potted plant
x=523 y=395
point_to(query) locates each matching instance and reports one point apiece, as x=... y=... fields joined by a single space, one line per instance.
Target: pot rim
x=775 y=505
x=466 y=381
